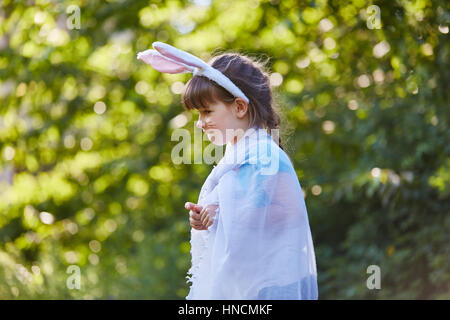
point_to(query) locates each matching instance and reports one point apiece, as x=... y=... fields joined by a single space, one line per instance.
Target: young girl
x=250 y=236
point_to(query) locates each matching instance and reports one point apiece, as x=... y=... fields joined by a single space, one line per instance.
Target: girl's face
x=217 y=118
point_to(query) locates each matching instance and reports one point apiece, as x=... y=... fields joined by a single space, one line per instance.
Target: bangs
x=200 y=92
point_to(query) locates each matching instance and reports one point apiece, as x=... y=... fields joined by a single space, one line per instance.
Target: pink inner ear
x=178 y=55
x=162 y=64
x=166 y=66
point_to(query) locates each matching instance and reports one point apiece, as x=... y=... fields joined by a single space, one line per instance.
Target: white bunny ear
x=168 y=59
x=162 y=63
x=179 y=55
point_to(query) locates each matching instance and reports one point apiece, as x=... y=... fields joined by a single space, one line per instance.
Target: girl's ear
x=241 y=107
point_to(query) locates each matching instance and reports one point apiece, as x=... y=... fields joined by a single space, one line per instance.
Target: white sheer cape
x=260 y=245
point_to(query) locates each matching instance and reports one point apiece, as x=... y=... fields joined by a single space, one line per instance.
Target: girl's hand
x=207 y=215
x=194 y=215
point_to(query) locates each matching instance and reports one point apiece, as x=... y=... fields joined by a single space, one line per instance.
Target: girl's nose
x=199 y=124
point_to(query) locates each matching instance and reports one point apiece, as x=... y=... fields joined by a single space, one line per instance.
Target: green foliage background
x=366 y=122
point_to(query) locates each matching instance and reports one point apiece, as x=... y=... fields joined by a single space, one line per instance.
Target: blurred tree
x=86 y=176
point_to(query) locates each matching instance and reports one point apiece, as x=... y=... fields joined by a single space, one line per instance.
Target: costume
x=169 y=59
x=259 y=245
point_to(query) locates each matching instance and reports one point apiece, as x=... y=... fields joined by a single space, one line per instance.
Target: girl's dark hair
x=247 y=74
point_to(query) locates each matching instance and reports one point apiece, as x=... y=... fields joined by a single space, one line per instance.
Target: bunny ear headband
x=168 y=59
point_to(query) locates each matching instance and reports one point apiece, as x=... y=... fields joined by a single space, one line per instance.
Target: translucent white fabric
x=259 y=245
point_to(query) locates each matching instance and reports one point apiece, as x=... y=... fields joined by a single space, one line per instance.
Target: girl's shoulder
x=266 y=156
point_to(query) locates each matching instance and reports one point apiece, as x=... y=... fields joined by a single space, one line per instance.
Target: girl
x=250 y=236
